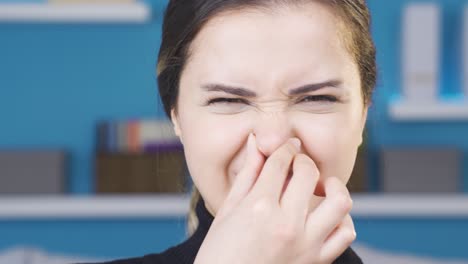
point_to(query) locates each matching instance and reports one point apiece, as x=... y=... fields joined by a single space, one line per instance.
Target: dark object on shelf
x=32 y=171
x=420 y=170
x=157 y=172
x=359 y=177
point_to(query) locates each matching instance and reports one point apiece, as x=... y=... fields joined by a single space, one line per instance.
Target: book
x=421 y=52
x=134 y=136
x=133 y=142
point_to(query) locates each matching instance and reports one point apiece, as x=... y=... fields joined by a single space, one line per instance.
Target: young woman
x=270 y=99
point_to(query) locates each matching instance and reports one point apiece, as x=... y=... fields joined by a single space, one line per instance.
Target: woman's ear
x=175 y=122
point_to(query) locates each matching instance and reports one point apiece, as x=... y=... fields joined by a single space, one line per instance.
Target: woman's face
x=277 y=73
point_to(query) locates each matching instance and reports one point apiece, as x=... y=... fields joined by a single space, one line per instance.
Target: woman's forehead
x=312 y=27
x=252 y=45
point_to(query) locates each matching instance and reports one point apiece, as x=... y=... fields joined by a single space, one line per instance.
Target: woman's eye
x=226 y=101
x=226 y=105
x=318 y=98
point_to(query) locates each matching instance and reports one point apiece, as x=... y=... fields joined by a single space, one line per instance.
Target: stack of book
x=136 y=136
x=139 y=156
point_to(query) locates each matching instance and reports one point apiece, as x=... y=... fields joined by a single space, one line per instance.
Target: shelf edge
x=177 y=206
x=439 y=111
x=75 y=13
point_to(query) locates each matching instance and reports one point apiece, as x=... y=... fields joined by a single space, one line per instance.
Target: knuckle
x=343 y=202
x=349 y=235
x=262 y=207
x=287 y=234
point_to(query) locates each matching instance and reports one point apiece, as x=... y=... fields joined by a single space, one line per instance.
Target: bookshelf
x=75 y=12
x=168 y=206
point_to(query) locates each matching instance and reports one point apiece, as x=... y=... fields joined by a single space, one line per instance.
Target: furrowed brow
x=239 y=91
x=315 y=86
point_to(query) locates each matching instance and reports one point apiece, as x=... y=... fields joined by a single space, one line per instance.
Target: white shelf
x=155 y=206
x=75 y=13
x=411 y=205
x=72 y=207
x=437 y=111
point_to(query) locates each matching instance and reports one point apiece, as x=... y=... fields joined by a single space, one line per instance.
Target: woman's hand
x=264 y=221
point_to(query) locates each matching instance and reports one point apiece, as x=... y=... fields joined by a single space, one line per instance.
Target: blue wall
x=436 y=237
x=92 y=238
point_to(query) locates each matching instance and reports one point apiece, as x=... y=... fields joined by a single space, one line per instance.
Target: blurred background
x=91 y=170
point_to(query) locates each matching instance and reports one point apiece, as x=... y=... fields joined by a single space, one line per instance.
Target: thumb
x=247 y=176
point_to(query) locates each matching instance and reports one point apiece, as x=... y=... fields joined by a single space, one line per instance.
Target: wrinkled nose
x=272 y=131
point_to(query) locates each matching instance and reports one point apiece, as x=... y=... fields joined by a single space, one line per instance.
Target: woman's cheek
x=340 y=160
x=326 y=144
x=213 y=145
x=232 y=138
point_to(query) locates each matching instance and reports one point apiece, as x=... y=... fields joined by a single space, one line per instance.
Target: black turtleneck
x=186 y=252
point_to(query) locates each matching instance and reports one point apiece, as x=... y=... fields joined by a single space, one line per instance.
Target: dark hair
x=183 y=19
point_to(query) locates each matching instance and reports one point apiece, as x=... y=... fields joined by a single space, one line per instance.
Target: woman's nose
x=271 y=132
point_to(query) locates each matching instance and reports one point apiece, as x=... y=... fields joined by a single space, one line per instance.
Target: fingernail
x=296 y=142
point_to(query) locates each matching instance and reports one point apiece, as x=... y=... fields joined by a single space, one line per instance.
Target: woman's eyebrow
x=239 y=91
x=315 y=86
x=229 y=89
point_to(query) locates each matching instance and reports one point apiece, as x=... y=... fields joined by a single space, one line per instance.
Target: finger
x=300 y=190
x=339 y=240
x=330 y=213
x=315 y=201
x=247 y=176
x=275 y=170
